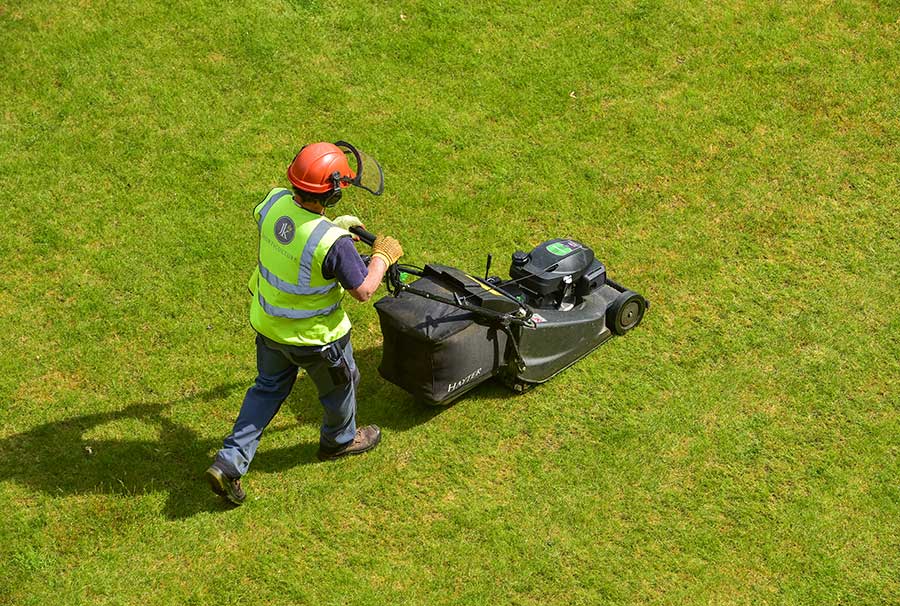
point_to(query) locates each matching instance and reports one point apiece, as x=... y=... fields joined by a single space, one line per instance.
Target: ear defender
x=336 y=193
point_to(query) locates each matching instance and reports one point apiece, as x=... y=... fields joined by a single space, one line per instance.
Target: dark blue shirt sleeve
x=345 y=264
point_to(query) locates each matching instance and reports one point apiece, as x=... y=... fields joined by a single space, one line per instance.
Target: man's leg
x=276 y=376
x=335 y=374
x=336 y=377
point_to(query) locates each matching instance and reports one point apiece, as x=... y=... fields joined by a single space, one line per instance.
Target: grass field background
x=736 y=162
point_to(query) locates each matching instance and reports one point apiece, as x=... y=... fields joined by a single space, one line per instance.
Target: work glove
x=347 y=221
x=388 y=249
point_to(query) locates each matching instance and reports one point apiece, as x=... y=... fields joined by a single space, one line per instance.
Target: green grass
x=736 y=162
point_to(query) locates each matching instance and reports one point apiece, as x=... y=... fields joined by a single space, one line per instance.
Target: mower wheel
x=626 y=312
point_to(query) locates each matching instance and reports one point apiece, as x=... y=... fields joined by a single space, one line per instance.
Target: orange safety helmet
x=320 y=168
x=324 y=168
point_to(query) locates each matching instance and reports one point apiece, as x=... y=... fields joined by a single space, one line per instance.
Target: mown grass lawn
x=736 y=162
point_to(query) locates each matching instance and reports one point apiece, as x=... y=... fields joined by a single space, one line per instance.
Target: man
x=305 y=264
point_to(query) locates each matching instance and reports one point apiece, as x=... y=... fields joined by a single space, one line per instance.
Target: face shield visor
x=365 y=170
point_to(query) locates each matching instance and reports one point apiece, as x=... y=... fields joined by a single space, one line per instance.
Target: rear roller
x=626 y=312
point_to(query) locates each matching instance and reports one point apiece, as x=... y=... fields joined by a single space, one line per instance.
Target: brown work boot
x=366 y=438
x=223 y=485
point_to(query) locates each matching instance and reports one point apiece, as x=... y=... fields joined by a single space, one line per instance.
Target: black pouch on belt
x=338 y=369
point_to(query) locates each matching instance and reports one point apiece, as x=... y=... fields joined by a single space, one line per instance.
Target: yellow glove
x=347 y=221
x=388 y=249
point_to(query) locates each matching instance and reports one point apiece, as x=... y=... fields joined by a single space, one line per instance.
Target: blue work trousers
x=333 y=370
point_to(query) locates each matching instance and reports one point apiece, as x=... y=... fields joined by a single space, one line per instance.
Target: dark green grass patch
x=737 y=163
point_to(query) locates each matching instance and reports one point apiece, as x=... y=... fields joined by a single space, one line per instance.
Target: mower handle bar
x=365 y=236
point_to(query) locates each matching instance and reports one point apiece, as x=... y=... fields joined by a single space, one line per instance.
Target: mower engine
x=556 y=274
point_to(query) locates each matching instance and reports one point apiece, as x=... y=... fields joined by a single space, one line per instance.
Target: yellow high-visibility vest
x=292 y=302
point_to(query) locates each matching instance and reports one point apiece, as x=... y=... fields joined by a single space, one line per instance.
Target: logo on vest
x=284 y=230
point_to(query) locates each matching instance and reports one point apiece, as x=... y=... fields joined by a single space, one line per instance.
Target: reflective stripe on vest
x=292 y=289
x=294 y=314
x=306 y=258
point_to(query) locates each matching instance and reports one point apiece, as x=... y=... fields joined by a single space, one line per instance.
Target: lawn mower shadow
x=378 y=401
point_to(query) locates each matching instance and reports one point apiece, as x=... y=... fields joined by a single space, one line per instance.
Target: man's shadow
x=61 y=458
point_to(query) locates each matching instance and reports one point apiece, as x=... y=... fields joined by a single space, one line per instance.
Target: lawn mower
x=446 y=331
